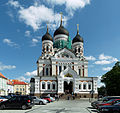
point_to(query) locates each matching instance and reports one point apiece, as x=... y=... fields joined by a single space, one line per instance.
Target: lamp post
x=92 y=90
x=92 y=93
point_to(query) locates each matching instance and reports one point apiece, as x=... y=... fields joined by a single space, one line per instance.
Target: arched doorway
x=68 y=88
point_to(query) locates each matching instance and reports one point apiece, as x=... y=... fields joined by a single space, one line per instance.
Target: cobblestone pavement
x=62 y=106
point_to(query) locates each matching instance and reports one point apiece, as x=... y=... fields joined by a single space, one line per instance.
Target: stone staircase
x=66 y=97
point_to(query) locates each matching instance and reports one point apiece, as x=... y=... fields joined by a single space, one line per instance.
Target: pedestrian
x=57 y=97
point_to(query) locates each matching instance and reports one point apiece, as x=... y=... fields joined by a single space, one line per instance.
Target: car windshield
x=117 y=103
x=109 y=101
x=2 y=98
x=104 y=98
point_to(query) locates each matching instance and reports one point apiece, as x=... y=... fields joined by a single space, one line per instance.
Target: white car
x=2 y=99
x=39 y=101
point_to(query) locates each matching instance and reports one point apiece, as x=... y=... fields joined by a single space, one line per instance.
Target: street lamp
x=92 y=90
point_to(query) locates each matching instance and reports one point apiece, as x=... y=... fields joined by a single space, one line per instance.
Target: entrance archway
x=68 y=88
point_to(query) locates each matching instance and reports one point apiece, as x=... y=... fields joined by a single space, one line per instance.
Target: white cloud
x=99 y=82
x=103 y=59
x=90 y=58
x=22 y=78
x=35 y=15
x=33 y=73
x=71 y=5
x=102 y=62
x=10 y=43
x=27 y=33
x=15 y=4
x=38 y=14
x=34 y=42
x=106 y=68
x=3 y=67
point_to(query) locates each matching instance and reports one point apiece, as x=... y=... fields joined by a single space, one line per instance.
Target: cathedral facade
x=62 y=67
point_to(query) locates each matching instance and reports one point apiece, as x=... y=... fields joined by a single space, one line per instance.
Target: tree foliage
x=102 y=91
x=112 y=80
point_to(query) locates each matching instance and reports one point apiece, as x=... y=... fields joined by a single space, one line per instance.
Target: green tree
x=102 y=91
x=112 y=80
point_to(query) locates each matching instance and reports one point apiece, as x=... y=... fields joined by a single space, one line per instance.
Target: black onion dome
x=47 y=36
x=77 y=38
x=61 y=30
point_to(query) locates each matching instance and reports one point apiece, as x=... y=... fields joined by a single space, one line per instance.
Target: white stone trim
x=60 y=36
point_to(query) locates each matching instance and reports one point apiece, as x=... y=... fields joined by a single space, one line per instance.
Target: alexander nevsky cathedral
x=62 y=67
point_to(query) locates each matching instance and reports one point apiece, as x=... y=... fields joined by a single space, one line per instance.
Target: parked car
x=23 y=102
x=110 y=102
x=7 y=97
x=52 y=99
x=39 y=101
x=2 y=99
x=47 y=98
x=104 y=99
x=110 y=109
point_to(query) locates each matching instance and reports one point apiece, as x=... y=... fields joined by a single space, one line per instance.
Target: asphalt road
x=62 y=106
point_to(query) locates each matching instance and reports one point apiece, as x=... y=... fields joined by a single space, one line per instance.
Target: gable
x=64 y=53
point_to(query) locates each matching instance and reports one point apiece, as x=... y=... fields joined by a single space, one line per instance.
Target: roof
x=61 y=30
x=47 y=36
x=77 y=38
x=1 y=75
x=18 y=82
x=9 y=82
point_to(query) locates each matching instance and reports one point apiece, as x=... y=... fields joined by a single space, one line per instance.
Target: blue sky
x=23 y=23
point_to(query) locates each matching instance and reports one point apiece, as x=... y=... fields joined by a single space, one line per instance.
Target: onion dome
x=77 y=38
x=61 y=29
x=47 y=36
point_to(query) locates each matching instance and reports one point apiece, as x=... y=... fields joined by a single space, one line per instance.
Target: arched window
x=64 y=67
x=43 y=49
x=53 y=86
x=79 y=71
x=51 y=49
x=43 y=85
x=79 y=86
x=48 y=85
x=46 y=71
x=84 y=86
x=78 y=49
x=59 y=69
x=75 y=50
x=89 y=86
x=47 y=48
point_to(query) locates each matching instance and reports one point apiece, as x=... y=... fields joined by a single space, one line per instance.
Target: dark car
x=104 y=99
x=110 y=109
x=110 y=102
x=23 y=102
x=7 y=97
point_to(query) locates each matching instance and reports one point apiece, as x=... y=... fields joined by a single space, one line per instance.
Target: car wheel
x=2 y=106
x=40 y=103
x=24 y=107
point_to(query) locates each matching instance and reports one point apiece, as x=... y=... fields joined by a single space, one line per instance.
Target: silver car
x=39 y=101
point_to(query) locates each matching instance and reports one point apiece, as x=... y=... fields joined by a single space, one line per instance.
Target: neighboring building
x=62 y=67
x=10 y=86
x=3 y=84
x=20 y=87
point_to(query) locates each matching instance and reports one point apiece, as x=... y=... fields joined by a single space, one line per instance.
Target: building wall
x=10 y=88
x=23 y=89
x=3 y=86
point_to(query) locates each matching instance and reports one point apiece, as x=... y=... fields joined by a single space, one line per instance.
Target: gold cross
x=78 y=28
x=61 y=18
